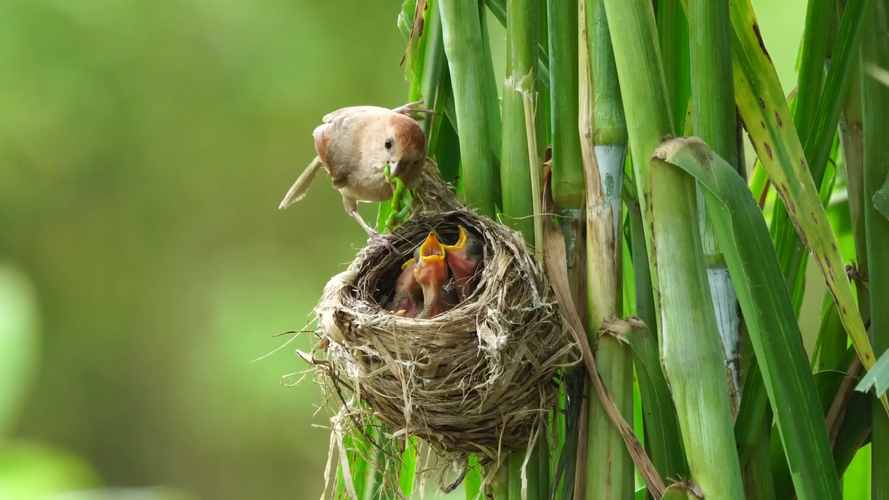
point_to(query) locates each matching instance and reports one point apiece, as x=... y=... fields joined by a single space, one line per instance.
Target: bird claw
x=413 y=108
x=375 y=237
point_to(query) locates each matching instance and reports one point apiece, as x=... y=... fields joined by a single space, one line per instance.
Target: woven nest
x=478 y=378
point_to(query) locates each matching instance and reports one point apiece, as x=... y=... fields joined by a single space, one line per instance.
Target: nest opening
x=477 y=378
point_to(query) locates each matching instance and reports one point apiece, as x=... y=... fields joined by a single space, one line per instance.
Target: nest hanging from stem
x=478 y=378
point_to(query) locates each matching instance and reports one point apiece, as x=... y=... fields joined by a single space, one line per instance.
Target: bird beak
x=431 y=249
x=461 y=241
x=394 y=168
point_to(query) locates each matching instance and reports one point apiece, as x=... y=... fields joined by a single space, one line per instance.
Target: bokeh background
x=144 y=269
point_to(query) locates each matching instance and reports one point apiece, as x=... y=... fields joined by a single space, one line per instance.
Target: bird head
x=463 y=258
x=405 y=145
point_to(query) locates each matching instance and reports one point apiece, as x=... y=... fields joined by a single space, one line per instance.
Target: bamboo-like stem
x=690 y=347
x=713 y=101
x=567 y=167
x=875 y=107
x=520 y=184
x=475 y=97
x=609 y=468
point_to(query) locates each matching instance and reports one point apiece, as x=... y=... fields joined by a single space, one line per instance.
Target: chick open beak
x=461 y=241
x=431 y=250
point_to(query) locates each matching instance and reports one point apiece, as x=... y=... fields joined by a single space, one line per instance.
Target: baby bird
x=356 y=145
x=463 y=258
x=408 y=294
x=431 y=272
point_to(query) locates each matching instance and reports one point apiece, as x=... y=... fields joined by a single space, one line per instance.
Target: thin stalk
x=475 y=97
x=853 y=158
x=875 y=107
x=690 y=349
x=567 y=167
x=529 y=103
x=713 y=101
x=609 y=468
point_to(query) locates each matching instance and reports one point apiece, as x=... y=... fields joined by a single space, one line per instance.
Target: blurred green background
x=143 y=266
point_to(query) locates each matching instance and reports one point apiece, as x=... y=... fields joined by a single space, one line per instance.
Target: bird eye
x=388 y=144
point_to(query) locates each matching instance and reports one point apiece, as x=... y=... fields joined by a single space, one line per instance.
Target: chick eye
x=388 y=144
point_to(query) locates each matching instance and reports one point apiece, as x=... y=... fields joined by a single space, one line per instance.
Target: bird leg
x=351 y=206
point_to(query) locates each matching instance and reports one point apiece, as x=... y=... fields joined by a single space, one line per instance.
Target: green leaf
x=766 y=116
x=877 y=378
x=774 y=332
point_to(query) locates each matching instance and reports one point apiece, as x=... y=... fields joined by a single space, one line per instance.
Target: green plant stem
x=714 y=121
x=875 y=107
x=609 y=468
x=475 y=97
x=690 y=347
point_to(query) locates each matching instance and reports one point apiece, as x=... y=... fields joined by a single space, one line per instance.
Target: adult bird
x=364 y=149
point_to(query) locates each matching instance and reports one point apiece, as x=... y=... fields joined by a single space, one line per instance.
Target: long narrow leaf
x=816 y=130
x=767 y=119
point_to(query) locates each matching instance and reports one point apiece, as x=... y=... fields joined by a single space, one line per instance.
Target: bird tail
x=298 y=190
